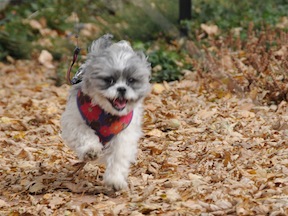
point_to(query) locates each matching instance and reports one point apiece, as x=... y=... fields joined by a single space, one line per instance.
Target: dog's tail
x=101 y=43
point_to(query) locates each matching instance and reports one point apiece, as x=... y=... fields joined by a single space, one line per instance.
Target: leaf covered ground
x=201 y=154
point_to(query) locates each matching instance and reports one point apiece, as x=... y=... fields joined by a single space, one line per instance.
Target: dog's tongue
x=120 y=103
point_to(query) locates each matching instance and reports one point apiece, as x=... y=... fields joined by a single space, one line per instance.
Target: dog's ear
x=102 y=43
x=144 y=58
x=141 y=55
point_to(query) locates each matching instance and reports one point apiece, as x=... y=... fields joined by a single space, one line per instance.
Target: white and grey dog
x=103 y=116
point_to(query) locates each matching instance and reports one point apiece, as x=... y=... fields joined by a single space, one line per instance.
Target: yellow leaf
x=158 y=88
x=155 y=132
x=18 y=136
x=5 y=119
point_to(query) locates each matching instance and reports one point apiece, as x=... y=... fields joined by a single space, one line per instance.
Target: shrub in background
x=131 y=20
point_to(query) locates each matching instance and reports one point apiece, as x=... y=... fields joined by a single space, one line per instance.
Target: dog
x=103 y=116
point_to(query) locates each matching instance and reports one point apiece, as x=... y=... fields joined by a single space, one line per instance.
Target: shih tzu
x=102 y=119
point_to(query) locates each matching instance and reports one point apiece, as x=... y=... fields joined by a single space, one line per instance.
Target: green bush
x=169 y=70
x=167 y=60
x=131 y=20
x=229 y=14
x=16 y=31
x=143 y=20
x=15 y=40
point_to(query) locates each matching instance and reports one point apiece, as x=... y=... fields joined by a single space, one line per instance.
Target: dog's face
x=116 y=77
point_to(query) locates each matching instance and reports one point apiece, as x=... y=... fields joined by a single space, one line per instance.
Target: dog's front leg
x=82 y=139
x=89 y=150
x=121 y=154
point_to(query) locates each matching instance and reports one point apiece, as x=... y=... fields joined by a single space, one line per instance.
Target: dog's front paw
x=92 y=154
x=116 y=181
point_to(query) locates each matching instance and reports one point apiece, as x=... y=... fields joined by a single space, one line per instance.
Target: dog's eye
x=131 y=80
x=109 y=80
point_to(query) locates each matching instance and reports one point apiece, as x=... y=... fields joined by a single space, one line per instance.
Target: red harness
x=105 y=125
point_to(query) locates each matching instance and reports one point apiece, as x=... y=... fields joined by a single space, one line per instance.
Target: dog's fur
x=109 y=66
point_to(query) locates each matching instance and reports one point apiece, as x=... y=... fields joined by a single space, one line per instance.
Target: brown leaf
x=172 y=195
x=210 y=29
x=55 y=201
x=37 y=187
x=35 y=24
x=3 y=204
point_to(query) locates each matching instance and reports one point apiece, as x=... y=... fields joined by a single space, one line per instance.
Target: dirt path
x=200 y=154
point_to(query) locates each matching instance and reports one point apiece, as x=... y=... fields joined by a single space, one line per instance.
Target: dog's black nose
x=121 y=90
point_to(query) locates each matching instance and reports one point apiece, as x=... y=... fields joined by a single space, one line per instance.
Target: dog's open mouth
x=119 y=103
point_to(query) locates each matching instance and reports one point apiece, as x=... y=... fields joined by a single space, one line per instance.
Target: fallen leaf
x=3 y=204
x=172 y=195
x=35 y=24
x=55 y=202
x=192 y=205
x=36 y=187
x=117 y=209
x=46 y=59
x=210 y=29
x=158 y=88
x=156 y=133
x=173 y=124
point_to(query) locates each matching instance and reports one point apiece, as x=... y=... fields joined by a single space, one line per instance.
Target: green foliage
x=167 y=60
x=229 y=14
x=15 y=40
x=131 y=20
x=142 y=20
x=169 y=69
x=16 y=34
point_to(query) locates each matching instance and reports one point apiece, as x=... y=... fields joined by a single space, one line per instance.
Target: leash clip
x=75 y=56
